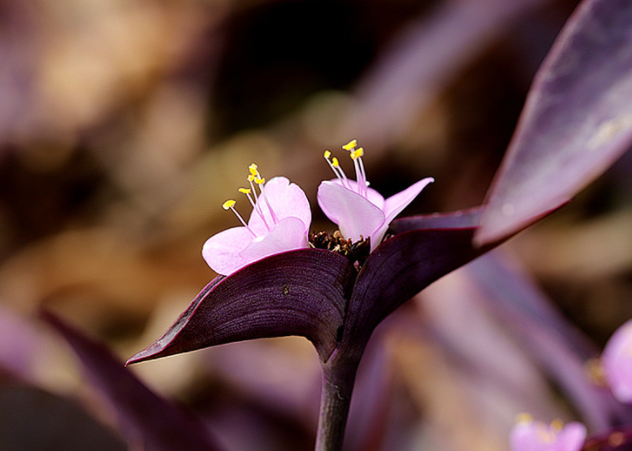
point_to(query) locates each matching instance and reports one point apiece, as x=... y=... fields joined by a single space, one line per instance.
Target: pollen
x=228 y=204
x=350 y=145
x=524 y=418
x=253 y=169
x=245 y=190
x=335 y=162
x=557 y=425
x=260 y=180
x=327 y=154
x=357 y=153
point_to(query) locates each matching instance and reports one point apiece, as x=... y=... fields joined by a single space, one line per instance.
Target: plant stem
x=338 y=381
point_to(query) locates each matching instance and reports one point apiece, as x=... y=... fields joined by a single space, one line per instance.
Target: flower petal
x=288 y=235
x=617 y=363
x=523 y=437
x=537 y=436
x=222 y=251
x=286 y=199
x=372 y=195
x=396 y=203
x=572 y=436
x=354 y=214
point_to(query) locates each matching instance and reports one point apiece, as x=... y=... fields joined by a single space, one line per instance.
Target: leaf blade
x=576 y=122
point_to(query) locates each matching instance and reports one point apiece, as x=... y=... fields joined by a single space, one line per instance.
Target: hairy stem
x=338 y=381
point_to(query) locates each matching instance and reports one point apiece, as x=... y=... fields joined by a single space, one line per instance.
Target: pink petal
x=396 y=203
x=289 y=234
x=617 y=363
x=572 y=437
x=287 y=200
x=355 y=215
x=374 y=197
x=222 y=251
x=523 y=437
x=536 y=436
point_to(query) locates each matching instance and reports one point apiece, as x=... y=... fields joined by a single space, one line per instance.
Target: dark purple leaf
x=619 y=439
x=32 y=419
x=146 y=419
x=295 y=293
x=424 y=249
x=576 y=122
x=560 y=348
x=402 y=83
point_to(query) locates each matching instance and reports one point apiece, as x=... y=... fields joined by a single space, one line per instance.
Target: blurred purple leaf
x=576 y=122
x=619 y=439
x=21 y=345
x=146 y=419
x=32 y=419
x=423 y=59
x=295 y=293
x=559 y=347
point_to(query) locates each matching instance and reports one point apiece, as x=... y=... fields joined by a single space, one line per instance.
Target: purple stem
x=338 y=381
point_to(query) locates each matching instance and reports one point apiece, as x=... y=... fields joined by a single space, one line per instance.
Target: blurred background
x=125 y=125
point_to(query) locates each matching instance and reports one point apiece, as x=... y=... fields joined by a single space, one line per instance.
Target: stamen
x=350 y=145
x=524 y=418
x=335 y=166
x=260 y=181
x=356 y=156
x=557 y=425
x=357 y=153
x=256 y=205
x=230 y=205
x=247 y=192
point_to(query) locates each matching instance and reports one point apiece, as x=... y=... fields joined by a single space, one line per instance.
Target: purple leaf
x=295 y=293
x=424 y=249
x=619 y=439
x=576 y=122
x=146 y=419
x=560 y=348
x=401 y=83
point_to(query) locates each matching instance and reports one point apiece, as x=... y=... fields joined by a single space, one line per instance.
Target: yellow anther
x=557 y=425
x=524 y=418
x=228 y=204
x=251 y=178
x=327 y=154
x=259 y=180
x=245 y=190
x=357 y=153
x=253 y=169
x=350 y=145
x=334 y=162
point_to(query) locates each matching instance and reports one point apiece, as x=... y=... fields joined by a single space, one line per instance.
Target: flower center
x=256 y=181
x=356 y=156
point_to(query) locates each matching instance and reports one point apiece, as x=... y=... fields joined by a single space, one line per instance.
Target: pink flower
x=279 y=222
x=359 y=211
x=529 y=435
x=616 y=361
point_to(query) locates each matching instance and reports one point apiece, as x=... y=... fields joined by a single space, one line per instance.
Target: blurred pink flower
x=360 y=211
x=616 y=361
x=529 y=435
x=279 y=222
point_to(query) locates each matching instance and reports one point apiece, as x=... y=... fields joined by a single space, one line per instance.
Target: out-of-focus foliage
x=125 y=125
